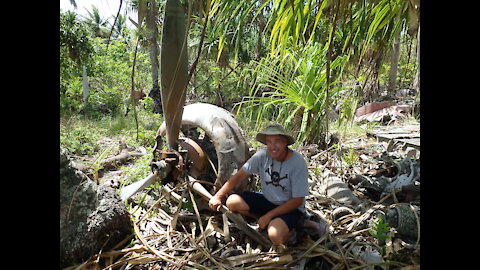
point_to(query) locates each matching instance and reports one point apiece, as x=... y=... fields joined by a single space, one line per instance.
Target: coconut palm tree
x=73 y=37
x=147 y=11
x=408 y=14
x=73 y=3
x=96 y=23
x=120 y=26
x=350 y=35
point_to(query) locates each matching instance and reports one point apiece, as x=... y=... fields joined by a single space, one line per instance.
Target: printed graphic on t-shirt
x=275 y=178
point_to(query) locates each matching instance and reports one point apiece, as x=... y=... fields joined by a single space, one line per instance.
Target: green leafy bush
x=292 y=90
x=79 y=140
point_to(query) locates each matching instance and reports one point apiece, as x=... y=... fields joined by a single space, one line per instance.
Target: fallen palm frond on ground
x=185 y=234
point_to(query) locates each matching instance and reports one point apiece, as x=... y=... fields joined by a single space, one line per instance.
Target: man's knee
x=278 y=231
x=235 y=203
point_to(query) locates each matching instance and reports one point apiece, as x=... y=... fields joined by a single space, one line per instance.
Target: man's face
x=276 y=146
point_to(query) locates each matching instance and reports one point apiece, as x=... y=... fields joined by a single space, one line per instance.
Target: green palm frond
x=292 y=90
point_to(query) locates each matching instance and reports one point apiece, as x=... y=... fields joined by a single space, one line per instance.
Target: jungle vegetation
x=291 y=62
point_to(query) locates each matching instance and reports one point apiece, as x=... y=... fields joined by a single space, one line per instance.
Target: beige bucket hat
x=274 y=129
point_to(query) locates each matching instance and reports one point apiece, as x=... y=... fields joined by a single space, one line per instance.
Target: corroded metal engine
x=218 y=129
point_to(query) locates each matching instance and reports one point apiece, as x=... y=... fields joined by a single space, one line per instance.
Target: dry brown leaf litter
x=200 y=238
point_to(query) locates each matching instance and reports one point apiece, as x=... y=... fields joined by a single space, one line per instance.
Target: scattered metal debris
x=385 y=112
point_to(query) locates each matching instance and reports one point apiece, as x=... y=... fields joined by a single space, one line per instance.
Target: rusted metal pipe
x=236 y=219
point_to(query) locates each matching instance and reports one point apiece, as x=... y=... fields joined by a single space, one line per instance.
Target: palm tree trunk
x=86 y=88
x=416 y=81
x=328 y=71
x=261 y=23
x=151 y=20
x=133 y=87
x=392 y=79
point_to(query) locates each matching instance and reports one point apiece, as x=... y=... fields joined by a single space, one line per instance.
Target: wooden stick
x=312 y=247
x=238 y=220
x=340 y=250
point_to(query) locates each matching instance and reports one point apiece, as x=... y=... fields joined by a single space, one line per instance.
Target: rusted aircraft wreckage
x=184 y=159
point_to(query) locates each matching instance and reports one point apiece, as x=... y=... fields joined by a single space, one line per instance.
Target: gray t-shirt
x=280 y=181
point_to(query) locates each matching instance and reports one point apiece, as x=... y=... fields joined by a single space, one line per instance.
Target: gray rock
x=92 y=217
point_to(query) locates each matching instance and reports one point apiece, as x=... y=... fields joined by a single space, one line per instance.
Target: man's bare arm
x=216 y=201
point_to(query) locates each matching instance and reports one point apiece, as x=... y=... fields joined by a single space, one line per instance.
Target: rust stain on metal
x=197 y=159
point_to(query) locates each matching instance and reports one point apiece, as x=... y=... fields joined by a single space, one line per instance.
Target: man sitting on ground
x=283 y=174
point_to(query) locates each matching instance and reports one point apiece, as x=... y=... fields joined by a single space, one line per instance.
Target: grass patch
x=139 y=169
x=79 y=134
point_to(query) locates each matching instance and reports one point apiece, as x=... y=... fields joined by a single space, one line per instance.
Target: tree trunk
x=124 y=157
x=416 y=81
x=261 y=23
x=392 y=79
x=151 y=19
x=134 y=105
x=86 y=87
x=327 y=70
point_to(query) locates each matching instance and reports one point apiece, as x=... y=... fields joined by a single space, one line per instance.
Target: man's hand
x=215 y=203
x=286 y=207
x=263 y=222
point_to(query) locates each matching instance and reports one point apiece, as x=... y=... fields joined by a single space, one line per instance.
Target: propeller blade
x=173 y=69
x=131 y=189
x=162 y=171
